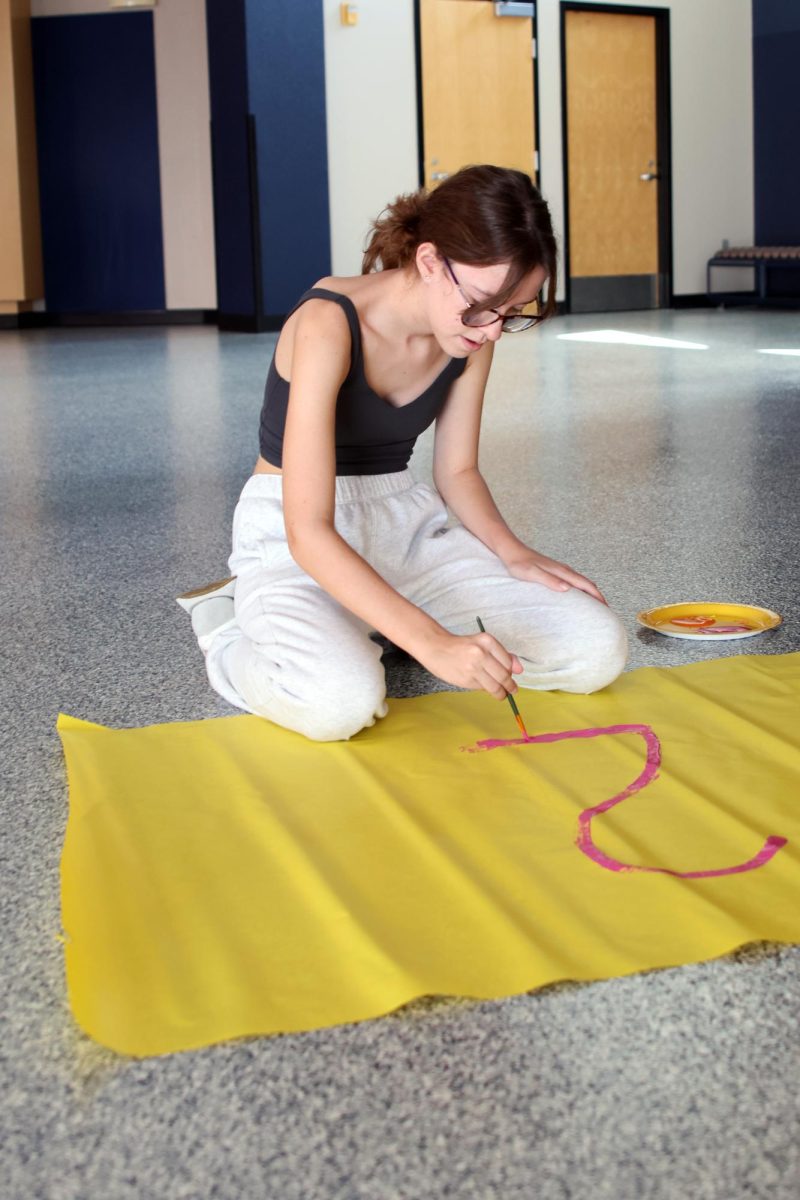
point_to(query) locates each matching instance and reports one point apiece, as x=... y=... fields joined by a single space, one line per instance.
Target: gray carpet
x=663 y=473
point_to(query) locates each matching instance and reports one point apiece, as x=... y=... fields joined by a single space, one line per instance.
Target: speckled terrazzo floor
x=663 y=473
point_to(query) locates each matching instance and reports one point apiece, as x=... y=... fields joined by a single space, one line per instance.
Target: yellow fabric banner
x=226 y=877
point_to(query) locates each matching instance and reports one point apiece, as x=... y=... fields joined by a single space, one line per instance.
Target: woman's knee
x=323 y=705
x=343 y=714
x=602 y=654
x=582 y=654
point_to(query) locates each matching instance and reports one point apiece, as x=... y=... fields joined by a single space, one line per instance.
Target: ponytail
x=395 y=234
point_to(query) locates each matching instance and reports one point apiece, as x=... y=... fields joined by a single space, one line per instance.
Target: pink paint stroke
x=584 y=840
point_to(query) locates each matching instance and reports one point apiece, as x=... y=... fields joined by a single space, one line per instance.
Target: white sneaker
x=210 y=606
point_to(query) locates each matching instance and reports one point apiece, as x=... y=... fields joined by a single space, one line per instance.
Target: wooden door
x=612 y=161
x=477 y=88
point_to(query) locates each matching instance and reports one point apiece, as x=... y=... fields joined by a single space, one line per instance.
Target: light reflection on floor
x=622 y=338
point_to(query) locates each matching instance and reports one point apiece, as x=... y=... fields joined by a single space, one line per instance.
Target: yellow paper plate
x=709 y=621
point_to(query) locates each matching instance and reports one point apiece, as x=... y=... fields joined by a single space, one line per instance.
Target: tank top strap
x=347 y=307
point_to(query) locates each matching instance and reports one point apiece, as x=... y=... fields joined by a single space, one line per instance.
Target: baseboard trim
x=734 y=299
x=120 y=320
x=694 y=300
x=249 y=322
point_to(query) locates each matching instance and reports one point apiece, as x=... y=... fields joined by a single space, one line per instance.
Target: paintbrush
x=509 y=697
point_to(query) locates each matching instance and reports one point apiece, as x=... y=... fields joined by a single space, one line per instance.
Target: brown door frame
x=420 y=112
x=663 y=135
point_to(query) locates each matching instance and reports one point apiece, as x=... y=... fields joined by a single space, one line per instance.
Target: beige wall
x=67 y=8
x=187 y=207
x=20 y=238
x=184 y=142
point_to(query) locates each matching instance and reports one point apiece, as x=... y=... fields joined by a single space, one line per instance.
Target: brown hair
x=480 y=216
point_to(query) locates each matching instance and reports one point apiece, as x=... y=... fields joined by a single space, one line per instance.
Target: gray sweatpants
x=293 y=654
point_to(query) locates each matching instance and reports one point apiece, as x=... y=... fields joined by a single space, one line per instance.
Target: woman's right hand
x=474 y=660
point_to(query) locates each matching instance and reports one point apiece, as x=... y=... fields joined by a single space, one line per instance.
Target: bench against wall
x=763 y=258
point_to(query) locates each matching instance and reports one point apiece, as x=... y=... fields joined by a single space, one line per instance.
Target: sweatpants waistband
x=349 y=488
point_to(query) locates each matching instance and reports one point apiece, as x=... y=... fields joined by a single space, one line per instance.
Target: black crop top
x=372 y=436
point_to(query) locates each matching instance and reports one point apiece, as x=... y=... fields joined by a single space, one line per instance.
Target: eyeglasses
x=515 y=323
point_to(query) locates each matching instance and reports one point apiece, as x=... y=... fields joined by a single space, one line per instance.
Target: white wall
x=372 y=133
x=712 y=128
x=370 y=88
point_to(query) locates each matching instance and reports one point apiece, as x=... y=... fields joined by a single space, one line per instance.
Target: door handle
x=438 y=175
x=648 y=176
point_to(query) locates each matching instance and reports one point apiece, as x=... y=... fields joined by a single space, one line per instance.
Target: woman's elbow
x=305 y=539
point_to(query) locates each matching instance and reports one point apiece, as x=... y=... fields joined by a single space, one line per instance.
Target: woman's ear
x=426 y=261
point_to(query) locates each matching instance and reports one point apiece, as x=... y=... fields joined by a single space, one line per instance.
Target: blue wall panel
x=267 y=82
x=776 y=126
x=97 y=136
x=233 y=229
x=286 y=80
x=774 y=16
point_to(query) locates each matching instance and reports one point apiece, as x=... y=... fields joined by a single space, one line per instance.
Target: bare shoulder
x=319 y=345
x=465 y=399
x=476 y=371
x=323 y=317
x=316 y=320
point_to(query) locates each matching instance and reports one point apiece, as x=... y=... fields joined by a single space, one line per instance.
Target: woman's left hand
x=537 y=568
